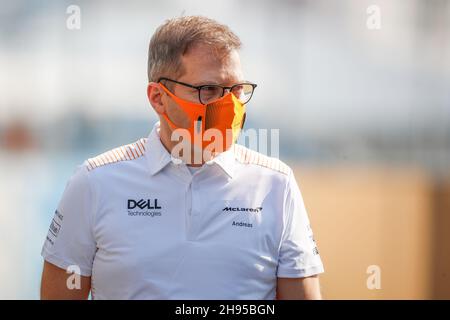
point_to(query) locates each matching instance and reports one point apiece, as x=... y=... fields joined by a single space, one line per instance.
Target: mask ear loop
x=164 y=114
x=243 y=120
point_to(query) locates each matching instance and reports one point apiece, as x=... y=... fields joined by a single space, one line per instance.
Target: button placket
x=188 y=213
x=195 y=212
x=182 y=175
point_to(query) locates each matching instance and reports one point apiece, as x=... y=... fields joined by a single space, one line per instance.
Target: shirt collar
x=225 y=161
x=158 y=157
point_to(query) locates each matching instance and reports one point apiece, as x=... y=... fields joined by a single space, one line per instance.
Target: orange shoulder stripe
x=247 y=156
x=123 y=153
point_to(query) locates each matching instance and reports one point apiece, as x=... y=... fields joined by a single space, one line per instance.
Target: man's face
x=201 y=66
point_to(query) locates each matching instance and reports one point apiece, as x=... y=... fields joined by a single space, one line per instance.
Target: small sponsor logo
x=315 y=251
x=311 y=237
x=54 y=228
x=58 y=215
x=241 y=209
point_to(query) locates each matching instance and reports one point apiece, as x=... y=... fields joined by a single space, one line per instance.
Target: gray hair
x=174 y=38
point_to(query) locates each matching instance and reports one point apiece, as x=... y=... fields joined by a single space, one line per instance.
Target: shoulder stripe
x=117 y=153
x=247 y=156
x=102 y=160
x=141 y=147
x=123 y=153
x=133 y=152
x=128 y=152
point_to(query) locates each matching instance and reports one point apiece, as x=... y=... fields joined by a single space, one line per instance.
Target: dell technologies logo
x=148 y=207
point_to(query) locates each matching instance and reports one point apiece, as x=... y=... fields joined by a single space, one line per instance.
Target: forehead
x=202 y=65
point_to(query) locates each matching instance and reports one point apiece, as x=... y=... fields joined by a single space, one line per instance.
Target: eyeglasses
x=210 y=92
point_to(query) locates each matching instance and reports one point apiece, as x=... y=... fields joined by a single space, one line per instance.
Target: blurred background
x=360 y=91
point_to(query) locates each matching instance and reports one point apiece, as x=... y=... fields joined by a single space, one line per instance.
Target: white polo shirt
x=144 y=227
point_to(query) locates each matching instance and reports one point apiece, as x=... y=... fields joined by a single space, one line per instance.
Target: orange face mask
x=214 y=126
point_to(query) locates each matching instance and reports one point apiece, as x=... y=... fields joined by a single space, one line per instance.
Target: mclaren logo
x=241 y=209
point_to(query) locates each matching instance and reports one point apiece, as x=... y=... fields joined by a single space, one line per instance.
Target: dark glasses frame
x=199 y=88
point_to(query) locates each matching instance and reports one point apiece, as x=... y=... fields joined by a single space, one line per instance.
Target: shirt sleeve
x=298 y=255
x=70 y=240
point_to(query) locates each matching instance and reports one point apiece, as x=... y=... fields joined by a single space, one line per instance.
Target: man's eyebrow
x=205 y=83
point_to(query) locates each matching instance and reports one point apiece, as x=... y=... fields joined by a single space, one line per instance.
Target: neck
x=165 y=133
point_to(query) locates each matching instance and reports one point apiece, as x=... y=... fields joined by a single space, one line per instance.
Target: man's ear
x=155 y=97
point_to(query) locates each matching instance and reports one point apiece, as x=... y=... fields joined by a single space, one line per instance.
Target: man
x=170 y=217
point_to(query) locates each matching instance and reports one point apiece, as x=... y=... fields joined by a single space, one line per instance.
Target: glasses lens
x=243 y=92
x=210 y=93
